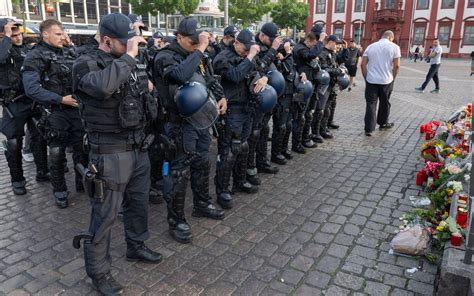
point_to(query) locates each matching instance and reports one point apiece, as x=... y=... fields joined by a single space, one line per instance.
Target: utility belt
x=118 y=148
x=237 y=108
x=61 y=107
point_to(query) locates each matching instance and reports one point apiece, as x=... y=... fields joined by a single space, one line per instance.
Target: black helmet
x=267 y=99
x=277 y=81
x=306 y=88
x=196 y=105
x=323 y=77
x=343 y=82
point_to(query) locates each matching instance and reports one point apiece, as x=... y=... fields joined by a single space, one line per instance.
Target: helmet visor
x=206 y=116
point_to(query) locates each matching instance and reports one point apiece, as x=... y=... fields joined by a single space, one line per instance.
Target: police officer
x=236 y=65
x=47 y=79
x=18 y=109
x=305 y=56
x=229 y=37
x=269 y=41
x=113 y=90
x=281 y=113
x=328 y=62
x=182 y=61
x=91 y=44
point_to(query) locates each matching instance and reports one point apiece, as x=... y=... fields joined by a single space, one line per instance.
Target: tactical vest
x=236 y=93
x=11 y=71
x=328 y=61
x=129 y=108
x=310 y=68
x=57 y=75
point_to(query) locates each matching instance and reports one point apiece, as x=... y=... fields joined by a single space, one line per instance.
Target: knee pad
x=245 y=148
x=14 y=144
x=236 y=146
x=57 y=155
x=255 y=134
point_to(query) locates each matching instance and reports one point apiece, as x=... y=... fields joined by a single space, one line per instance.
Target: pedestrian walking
x=417 y=53
x=380 y=66
x=353 y=57
x=435 y=56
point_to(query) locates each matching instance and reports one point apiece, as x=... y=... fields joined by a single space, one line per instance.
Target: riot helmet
x=306 y=88
x=196 y=104
x=343 y=82
x=277 y=81
x=267 y=99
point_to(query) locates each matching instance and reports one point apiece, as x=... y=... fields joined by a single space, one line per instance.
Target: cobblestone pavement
x=321 y=226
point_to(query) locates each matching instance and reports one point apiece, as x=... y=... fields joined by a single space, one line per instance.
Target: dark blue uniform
x=237 y=74
x=305 y=61
x=174 y=67
x=19 y=110
x=47 y=78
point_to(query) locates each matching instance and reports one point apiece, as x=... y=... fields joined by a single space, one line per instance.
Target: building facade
x=414 y=22
x=83 y=16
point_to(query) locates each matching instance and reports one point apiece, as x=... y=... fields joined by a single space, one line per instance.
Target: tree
x=166 y=7
x=246 y=12
x=289 y=14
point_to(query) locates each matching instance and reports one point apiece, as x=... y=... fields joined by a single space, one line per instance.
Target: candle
x=461 y=217
x=419 y=179
x=456 y=239
x=422 y=129
x=428 y=135
x=469 y=107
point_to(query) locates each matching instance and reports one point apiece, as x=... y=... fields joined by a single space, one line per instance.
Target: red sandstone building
x=415 y=22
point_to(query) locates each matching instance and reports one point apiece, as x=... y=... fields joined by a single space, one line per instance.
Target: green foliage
x=187 y=7
x=246 y=12
x=289 y=13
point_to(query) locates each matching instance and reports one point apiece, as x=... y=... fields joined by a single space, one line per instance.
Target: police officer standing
x=229 y=37
x=47 y=79
x=305 y=56
x=237 y=67
x=18 y=110
x=328 y=63
x=113 y=90
x=269 y=41
x=183 y=61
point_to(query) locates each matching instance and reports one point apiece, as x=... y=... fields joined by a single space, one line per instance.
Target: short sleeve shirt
x=437 y=58
x=381 y=55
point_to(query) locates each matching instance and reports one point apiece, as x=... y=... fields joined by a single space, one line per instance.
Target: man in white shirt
x=435 y=56
x=380 y=66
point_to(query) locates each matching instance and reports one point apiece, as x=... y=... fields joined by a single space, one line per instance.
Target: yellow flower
x=442 y=223
x=450 y=192
x=439 y=228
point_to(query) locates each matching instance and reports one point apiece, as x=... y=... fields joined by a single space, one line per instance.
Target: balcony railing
x=389 y=15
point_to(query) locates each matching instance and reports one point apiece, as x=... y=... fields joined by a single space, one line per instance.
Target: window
x=469 y=34
x=340 y=6
x=470 y=4
x=359 y=6
x=389 y=4
x=91 y=11
x=419 y=35
x=447 y=4
x=358 y=31
x=422 y=4
x=443 y=33
x=339 y=31
x=321 y=6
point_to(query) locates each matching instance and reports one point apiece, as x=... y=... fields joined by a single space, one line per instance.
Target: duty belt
x=61 y=107
x=110 y=149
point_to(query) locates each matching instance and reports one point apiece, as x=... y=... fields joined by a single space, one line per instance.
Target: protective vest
x=57 y=75
x=328 y=62
x=236 y=93
x=10 y=72
x=310 y=68
x=129 y=108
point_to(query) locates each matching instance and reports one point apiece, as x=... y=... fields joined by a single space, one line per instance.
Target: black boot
x=277 y=144
x=61 y=200
x=297 y=136
x=222 y=180
x=14 y=159
x=240 y=182
x=332 y=108
x=252 y=142
x=107 y=285
x=323 y=130
x=316 y=128
x=208 y=210
x=137 y=251
x=156 y=197
x=253 y=179
x=178 y=227
x=286 y=139
x=40 y=153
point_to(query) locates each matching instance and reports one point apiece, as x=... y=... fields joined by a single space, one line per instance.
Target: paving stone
x=421 y=288
x=393 y=280
x=220 y=288
x=292 y=276
x=373 y=288
x=336 y=291
x=318 y=279
x=306 y=290
x=302 y=263
x=328 y=264
x=349 y=281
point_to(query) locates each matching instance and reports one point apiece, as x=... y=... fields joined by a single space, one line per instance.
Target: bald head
x=388 y=35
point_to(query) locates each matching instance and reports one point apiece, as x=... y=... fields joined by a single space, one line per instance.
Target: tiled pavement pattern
x=321 y=226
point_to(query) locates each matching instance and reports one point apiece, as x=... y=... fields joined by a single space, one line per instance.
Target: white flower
x=455 y=185
x=453 y=169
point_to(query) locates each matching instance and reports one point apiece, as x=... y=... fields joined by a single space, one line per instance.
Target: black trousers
x=432 y=74
x=373 y=94
x=130 y=170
